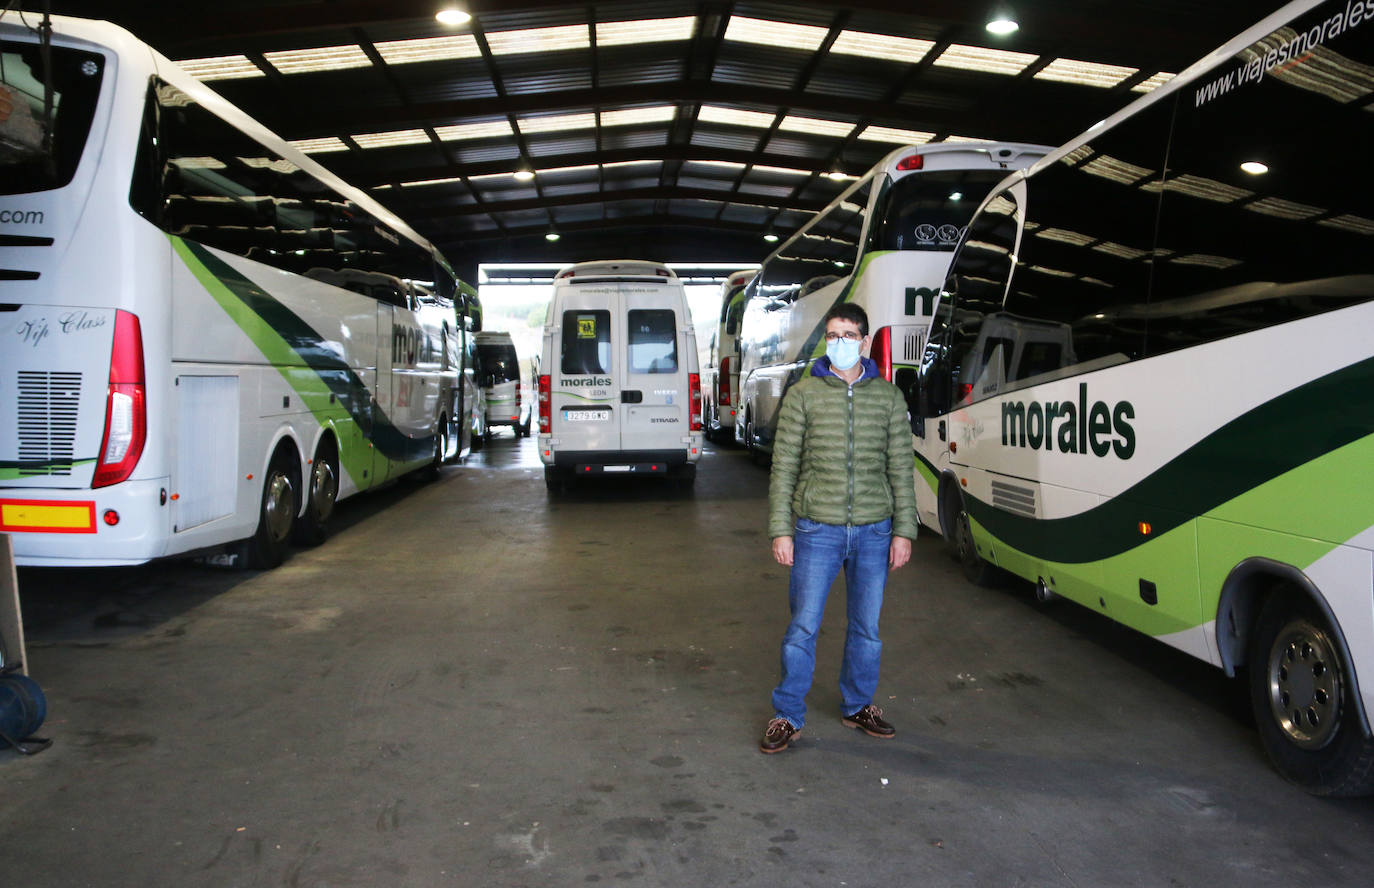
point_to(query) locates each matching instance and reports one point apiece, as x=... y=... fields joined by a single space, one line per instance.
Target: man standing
x=842 y=466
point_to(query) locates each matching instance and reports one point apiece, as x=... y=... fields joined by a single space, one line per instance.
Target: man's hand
x=898 y=553
x=782 y=550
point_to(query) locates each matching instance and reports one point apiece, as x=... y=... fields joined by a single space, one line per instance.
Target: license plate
x=586 y=415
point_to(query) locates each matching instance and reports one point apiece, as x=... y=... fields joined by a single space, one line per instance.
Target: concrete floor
x=514 y=691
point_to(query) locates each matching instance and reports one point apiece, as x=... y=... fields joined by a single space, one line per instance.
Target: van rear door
x=654 y=396
x=585 y=389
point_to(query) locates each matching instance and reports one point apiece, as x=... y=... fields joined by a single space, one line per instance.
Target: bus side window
x=978 y=280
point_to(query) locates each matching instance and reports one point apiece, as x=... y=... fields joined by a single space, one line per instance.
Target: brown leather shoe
x=778 y=736
x=870 y=721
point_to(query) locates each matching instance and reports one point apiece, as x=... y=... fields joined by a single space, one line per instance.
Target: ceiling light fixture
x=552 y=236
x=1002 y=27
x=771 y=237
x=524 y=175
x=452 y=16
x=836 y=175
x=1254 y=168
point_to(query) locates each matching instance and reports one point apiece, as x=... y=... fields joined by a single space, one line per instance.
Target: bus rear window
x=928 y=211
x=40 y=152
x=586 y=341
x=653 y=341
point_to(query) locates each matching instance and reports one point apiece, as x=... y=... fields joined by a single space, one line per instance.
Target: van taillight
x=723 y=383
x=911 y=162
x=694 y=395
x=545 y=404
x=881 y=352
x=126 y=408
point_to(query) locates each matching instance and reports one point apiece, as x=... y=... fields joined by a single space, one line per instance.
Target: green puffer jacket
x=842 y=454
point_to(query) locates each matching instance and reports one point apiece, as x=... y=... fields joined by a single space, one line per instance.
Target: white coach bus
x=1149 y=387
x=885 y=245
x=207 y=338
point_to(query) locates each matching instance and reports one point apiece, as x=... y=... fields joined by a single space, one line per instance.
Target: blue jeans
x=818 y=553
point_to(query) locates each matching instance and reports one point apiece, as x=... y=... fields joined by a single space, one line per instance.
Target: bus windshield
x=25 y=165
x=928 y=211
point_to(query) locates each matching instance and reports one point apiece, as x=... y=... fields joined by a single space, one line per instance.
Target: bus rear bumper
x=123 y=524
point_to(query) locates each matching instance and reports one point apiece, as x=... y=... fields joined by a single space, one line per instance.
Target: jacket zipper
x=849 y=449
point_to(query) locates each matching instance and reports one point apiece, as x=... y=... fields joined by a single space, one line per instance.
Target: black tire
x=321 y=494
x=977 y=570
x=951 y=504
x=756 y=456
x=266 y=548
x=432 y=471
x=1303 y=697
x=554 y=480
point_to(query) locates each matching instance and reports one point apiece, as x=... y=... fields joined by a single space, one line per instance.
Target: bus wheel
x=440 y=450
x=977 y=570
x=554 y=480
x=756 y=455
x=276 y=513
x=312 y=528
x=1304 y=701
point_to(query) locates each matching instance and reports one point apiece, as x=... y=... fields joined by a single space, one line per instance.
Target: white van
x=619 y=389
x=498 y=372
x=720 y=376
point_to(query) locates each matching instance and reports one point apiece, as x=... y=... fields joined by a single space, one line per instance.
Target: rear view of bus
x=885 y=245
x=208 y=338
x=72 y=376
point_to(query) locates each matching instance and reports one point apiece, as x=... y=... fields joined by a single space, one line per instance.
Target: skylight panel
x=896 y=136
x=318 y=146
x=816 y=127
x=458 y=132
x=1082 y=152
x=592 y=167
x=1198 y=186
x=970 y=140
x=735 y=117
x=556 y=123
x=199 y=163
x=323 y=58
x=1205 y=261
x=768 y=33
x=429 y=49
x=1084 y=73
x=1357 y=224
x=1052 y=272
x=1117 y=170
x=783 y=171
x=633 y=116
x=718 y=164
x=422 y=182
x=275 y=164
x=881 y=46
x=1120 y=250
x=230 y=67
x=620 y=164
x=391 y=139
x=979 y=58
x=539 y=40
x=1065 y=236
x=645 y=31
x=1284 y=209
x=1153 y=82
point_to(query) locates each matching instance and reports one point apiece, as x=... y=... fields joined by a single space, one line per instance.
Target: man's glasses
x=848 y=334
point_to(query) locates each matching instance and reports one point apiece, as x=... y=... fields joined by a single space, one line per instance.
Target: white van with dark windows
x=620 y=389
x=498 y=372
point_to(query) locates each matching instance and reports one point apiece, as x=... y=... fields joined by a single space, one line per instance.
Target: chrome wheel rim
x=323 y=490
x=278 y=507
x=1304 y=682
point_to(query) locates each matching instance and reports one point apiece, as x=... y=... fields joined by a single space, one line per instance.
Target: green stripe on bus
x=16 y=470
x=288 y=342
x=1189 y=562
x=1239 y=457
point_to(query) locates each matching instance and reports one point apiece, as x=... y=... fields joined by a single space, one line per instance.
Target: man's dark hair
x=848 y=311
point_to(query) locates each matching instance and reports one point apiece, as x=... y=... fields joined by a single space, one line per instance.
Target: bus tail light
x=126 y=407
x=723 y=383
x=911 y=162
x=881 y=352
x=545 y=404
x=694 y=396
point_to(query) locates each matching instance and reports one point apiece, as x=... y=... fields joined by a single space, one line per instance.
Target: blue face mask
x=843 y=353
